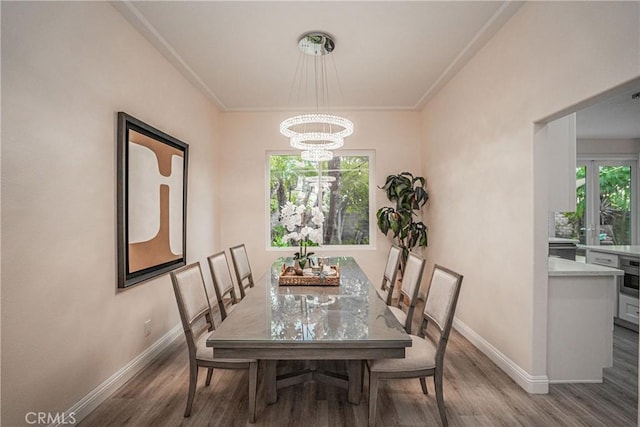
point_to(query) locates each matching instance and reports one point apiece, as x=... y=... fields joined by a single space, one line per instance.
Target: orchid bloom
x=301 y=231
x=317 y=216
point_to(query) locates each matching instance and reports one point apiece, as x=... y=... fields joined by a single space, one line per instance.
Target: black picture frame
x=151 y=201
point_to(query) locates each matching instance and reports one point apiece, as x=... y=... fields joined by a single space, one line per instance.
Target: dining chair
x=426 y=356
x=411 y=279
x=222 y=283
x=193 y=305
x=242 y=268
x=385 y=291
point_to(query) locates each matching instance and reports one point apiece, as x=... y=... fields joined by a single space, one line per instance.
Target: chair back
x=242 y=268
x=222 y=282
x=440 y=306
x=411 y=279
x=192 y=300
x=391 y=271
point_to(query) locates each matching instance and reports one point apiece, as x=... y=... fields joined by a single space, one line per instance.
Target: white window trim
x=593 y=188
x=324 y=248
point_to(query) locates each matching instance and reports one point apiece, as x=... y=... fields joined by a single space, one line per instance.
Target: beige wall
x=67 y=68
x=586 y=147
x=479 y=158
x=394 y=136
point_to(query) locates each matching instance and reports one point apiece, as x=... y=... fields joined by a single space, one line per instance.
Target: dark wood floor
x=477 y=393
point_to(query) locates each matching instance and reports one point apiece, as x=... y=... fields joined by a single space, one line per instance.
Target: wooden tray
x=288 y=277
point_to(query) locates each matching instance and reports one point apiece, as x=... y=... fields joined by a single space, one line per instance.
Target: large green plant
x=410 y=196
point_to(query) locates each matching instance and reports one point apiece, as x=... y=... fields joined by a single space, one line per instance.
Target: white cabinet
x=581 y=301
x=628 y=308
x=608 y=260
x=603 y=258
x=561 y=149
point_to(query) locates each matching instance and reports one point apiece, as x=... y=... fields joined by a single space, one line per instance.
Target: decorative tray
x=289 y=277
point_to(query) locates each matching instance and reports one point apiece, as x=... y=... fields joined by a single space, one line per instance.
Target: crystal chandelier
x=315 y=133
x=317 y=155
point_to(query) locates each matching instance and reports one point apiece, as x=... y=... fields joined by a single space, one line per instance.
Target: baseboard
x=575 y=381
x=535 y=384
x=124 y=374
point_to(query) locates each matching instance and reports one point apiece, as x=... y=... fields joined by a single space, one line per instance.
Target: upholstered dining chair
x=222 y=283
x=411 y=279
x=242 y=268
x=385 y=291
x=426 y=356
x=193 y=305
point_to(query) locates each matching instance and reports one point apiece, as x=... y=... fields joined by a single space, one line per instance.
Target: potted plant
x=305 y=228
x=410 y=196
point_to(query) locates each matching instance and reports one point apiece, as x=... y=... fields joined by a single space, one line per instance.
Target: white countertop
x=563 y=240
x=617 y=249
x=565 y=267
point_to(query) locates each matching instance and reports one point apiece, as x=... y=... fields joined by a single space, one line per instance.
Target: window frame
x=323 y=248
x=592 y=162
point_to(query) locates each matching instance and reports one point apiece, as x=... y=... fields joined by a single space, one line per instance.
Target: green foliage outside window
x=343 y=190
x=615 y=205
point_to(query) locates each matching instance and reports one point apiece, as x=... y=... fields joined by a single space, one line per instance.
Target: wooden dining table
x=347 y=322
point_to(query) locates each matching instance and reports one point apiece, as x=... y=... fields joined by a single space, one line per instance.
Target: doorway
x=606 y=193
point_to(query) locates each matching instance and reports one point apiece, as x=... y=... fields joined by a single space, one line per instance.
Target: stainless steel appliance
x=631 y=280
x=563 y=248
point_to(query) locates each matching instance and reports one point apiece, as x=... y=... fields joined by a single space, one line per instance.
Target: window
x=341 y=187
x=606 y=197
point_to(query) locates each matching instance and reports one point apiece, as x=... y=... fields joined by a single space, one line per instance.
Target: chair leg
x=437 y=379
x=253 y=386
x=193 y=380
x=373 y=397
x=209 y=375
x=423 y=383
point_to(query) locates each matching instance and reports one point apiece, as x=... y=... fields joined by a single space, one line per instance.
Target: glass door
x=606 y=205
x=612 y=205
x=611 y=202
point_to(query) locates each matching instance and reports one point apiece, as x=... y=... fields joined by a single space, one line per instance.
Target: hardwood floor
x=477 y=393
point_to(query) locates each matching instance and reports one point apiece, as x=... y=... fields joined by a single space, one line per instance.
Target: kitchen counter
x=581 y=302
x=633 y=250
x=559 y=240
x=627 y=258
x=565 y=267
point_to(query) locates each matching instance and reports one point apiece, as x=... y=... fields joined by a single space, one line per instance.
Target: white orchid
x=292 y=222
x=292 y=236
x=316 y=235
x=305 y=231
x=301 y=230
x=288 y=209
x=317 y=217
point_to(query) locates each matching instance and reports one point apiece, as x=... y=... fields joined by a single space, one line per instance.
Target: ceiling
x=389 y=55
x=616 y=117
x=243 y=55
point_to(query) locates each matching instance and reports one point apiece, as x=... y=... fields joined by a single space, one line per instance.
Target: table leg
x=270 y=390
x=354 y=370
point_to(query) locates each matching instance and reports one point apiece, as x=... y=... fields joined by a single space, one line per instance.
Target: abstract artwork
x=152 y=195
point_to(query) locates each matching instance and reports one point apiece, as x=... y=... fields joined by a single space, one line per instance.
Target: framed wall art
x=152 y=201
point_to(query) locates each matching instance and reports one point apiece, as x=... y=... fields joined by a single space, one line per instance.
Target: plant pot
x=299 y=265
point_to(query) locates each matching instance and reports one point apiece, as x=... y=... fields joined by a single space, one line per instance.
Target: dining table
x=344 y=322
